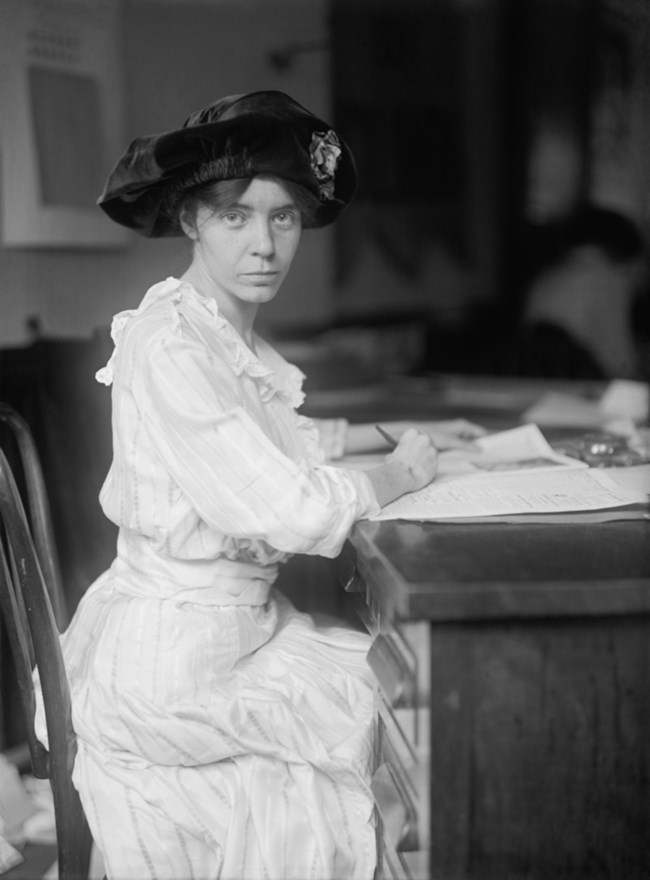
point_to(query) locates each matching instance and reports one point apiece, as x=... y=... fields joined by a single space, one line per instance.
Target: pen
x=392 y=442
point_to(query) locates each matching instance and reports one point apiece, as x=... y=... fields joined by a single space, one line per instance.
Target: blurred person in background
x=577 y=319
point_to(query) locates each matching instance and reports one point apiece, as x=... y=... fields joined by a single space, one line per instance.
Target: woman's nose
x=263 y=242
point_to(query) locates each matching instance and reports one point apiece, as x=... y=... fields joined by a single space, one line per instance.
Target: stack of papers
x=507 y=494
x=516 y=475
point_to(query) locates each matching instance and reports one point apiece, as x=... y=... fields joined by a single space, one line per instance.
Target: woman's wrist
x=391 y=480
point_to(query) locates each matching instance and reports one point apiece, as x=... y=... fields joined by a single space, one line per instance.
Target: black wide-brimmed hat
x=236 y=137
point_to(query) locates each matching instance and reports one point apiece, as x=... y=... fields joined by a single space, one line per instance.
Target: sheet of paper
x=614 y=514
x=553 y=491
x=520 y=449
x=636 y=477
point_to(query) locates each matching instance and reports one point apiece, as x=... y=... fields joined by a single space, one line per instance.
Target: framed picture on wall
x=60 y=106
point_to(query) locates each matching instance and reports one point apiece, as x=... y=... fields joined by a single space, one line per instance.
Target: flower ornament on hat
x=239 y=136
x=325 y=152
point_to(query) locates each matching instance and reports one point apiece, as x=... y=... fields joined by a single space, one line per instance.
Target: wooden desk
x=513 y=665
x=513 y=671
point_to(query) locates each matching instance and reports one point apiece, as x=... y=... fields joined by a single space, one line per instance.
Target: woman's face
x=244 y=250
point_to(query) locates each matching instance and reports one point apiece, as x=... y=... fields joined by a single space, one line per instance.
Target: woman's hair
x=216 y=195
x=617 y=236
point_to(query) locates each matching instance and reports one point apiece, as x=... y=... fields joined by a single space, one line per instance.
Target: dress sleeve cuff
x=368 y=504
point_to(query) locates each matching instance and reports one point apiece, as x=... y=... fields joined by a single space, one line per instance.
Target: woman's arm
x=226 y=467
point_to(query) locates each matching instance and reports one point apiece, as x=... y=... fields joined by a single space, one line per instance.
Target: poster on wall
x=60 y=121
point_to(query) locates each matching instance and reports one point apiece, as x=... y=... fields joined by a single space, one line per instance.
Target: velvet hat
x=235 y=137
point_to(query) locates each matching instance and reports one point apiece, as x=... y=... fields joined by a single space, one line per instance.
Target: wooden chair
x=33 y=635
x=38 y=508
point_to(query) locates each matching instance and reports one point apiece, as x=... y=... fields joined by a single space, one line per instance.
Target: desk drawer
x=393 y=669
x=396 y=797
x=354 y=581
x=400 y=788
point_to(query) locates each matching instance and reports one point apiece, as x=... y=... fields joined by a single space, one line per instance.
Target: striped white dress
x=222 y=734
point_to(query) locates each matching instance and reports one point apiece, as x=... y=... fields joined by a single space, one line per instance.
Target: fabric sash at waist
x=140 y=570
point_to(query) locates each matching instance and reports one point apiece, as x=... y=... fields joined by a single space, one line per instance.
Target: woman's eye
x=285 y=219
x=233 y=218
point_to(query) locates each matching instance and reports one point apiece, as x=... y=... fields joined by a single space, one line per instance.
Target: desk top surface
x=447 y=571
x=442 y=571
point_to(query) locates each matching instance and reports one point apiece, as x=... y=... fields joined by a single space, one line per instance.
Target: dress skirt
x=221 y=741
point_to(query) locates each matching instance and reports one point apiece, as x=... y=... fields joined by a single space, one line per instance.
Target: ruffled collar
x=272 y=374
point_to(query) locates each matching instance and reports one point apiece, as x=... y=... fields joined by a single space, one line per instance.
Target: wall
x=178 y=57
x=418 y=94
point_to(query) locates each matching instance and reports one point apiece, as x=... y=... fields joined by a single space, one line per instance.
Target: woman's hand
x=410 y=466
x=418 y=455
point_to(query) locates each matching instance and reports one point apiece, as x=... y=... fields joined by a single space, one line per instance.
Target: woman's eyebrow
x=245 y=206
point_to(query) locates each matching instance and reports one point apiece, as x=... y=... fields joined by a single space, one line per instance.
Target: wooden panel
x=540 y=755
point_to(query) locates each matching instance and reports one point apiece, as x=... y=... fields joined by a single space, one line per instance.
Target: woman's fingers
x=418 y=454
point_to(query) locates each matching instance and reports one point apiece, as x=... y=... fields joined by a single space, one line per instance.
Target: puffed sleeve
x=233 y=474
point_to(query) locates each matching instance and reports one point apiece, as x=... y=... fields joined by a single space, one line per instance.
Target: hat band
x=226 y=167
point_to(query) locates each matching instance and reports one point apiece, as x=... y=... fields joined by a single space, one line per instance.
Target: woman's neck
x=240 y=315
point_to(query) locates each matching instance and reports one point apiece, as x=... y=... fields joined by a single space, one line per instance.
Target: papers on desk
x=519 y=450
x=513 y=473
x=622 y=399
x=559 y=491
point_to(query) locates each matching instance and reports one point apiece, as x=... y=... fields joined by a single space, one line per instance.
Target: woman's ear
x=187 y=225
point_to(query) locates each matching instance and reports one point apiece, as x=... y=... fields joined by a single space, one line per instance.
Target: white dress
x=222 y=734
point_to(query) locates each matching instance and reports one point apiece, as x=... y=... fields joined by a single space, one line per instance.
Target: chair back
x=33 y=638
x=38 y=507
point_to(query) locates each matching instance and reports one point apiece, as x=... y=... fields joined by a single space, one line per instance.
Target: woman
x=221 y=733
